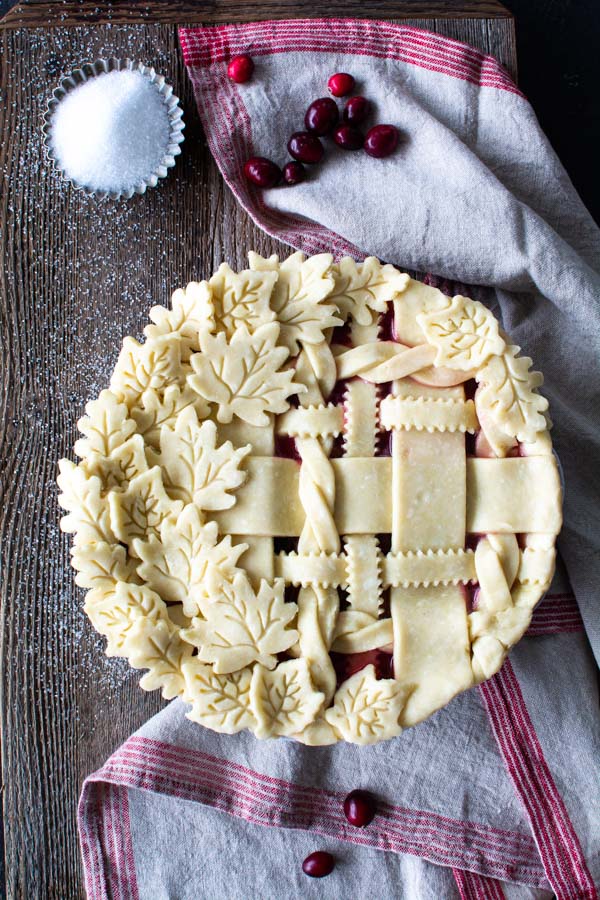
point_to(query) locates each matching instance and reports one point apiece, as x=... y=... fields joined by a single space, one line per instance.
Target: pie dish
x=317 y=502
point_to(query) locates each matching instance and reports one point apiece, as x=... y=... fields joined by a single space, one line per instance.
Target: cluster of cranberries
x=322 y=119
x=359 y=809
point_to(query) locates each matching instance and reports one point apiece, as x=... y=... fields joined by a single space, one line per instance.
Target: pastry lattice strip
x=409 y=569
x=513 y=495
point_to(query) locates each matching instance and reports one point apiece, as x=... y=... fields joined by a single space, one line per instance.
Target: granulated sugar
x=111 y=132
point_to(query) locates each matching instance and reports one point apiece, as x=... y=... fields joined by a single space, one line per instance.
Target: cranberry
x=381 y=140
x=294 y=173
x=356 y=110
x=322 y=116
x=305 y=147
x=341 y=84
x=240 y=68
x=348 y=137
x=359 y=808
x=318 y=864
x=262 y=172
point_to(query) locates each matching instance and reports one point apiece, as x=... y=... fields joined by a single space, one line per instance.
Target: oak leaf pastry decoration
x=316 y=502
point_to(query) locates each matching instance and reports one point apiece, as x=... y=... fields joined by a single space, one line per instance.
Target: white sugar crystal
x=111 y=132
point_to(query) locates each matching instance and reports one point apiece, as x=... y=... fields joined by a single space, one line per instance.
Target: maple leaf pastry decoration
x=318 y=501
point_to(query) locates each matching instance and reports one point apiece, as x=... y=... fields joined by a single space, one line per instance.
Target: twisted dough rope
x=509 y=587
x=381 y=361
x=318 y=607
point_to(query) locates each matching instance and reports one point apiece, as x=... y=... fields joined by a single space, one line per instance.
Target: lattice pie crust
x=303 y=464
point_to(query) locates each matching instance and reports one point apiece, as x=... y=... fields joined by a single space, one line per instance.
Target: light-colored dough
x=220 y=568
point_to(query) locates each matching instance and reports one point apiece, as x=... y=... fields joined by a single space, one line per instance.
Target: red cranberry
x=359 y=808
x=318 y=864
x=305 y=147
x=341 y=84
x=356 y=110
x=240 y=68
x=322 y=116
x=348 y=137
x=294 y=173
x=262 y=172
x=381 y=140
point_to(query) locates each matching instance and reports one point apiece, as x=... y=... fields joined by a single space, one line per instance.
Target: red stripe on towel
x=162 y=768
x=383 y=40
x=553 y=831
x=476 y=887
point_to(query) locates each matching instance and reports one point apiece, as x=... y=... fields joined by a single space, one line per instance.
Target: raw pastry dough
x=278 y=480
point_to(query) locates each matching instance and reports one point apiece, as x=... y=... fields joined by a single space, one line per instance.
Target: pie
x=319 y=500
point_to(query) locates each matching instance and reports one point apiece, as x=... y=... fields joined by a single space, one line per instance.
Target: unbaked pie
x=318 y=501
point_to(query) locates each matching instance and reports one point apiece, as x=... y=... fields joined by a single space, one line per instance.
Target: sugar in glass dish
x=113 y=128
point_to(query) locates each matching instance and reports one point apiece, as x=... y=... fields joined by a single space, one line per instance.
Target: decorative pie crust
x=304 y=463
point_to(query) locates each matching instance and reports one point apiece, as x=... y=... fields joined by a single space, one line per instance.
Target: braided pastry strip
x=384 y=361
x=316 y=489
x=318 y=607
x=497 y=623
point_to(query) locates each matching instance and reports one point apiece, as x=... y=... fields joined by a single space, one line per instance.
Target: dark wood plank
x=42 y=14
x=77 y=276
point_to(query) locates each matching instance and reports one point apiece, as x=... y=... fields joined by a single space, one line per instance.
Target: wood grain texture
x=77 y=275
x=35 y=13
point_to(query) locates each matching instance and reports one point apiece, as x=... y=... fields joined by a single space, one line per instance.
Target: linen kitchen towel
x=497 y=794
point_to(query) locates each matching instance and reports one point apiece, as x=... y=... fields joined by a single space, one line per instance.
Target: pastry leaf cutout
x=242 y=376
x=155 y=364
x=192 y=311
x=465 y=333
x=188 y=563
x=123 y=464
x=114 y=614
x=361 y=291
x=241 y=627
x=88 y=511
x=298 y=297
x=158 y=409
x=106 y=426
x=284 y=700
x=156 y=646
x=195 y=469
x=241 y=299
x=220 y=702
x=131 y=487
x=365 y=709
x=100 y=566
x=141 y=509
x=508 y=394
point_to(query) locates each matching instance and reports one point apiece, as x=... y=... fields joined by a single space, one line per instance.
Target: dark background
x=558 y=45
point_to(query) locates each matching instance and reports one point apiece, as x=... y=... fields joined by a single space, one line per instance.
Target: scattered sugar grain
x=111 y=132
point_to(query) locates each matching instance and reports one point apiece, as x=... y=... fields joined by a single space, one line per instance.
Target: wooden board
x=40 y=12
x=76 y=276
